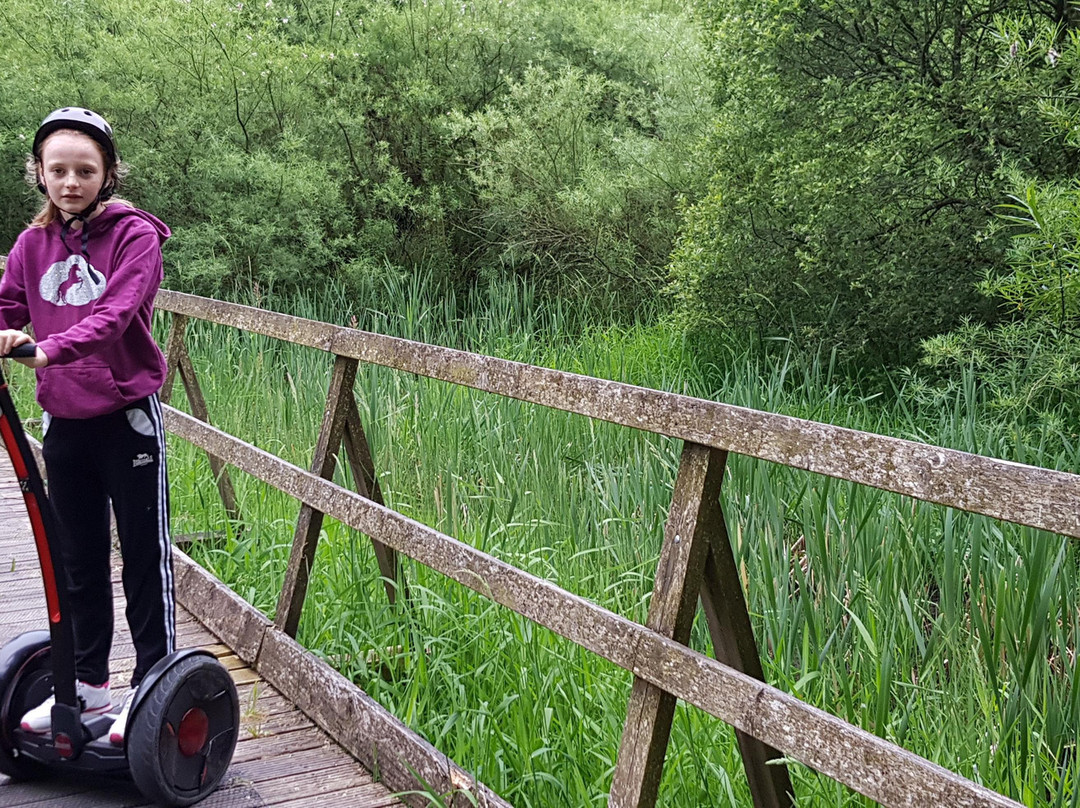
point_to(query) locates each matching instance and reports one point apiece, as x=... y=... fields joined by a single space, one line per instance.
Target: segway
x=184 y=720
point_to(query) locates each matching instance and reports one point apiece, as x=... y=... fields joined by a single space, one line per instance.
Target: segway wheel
x=181 y=737
x=24 y=686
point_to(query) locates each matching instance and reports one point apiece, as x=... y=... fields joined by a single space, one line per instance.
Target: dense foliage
x=1031 y=364
x=288 y=142
x=857 y=166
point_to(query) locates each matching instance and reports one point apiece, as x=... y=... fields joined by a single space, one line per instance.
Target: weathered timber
x=864 y=762
x=356 y=721
x=174 y=346
x=177 y=358
x=233 y=620
x=694 y=534
x=647 y=729
x=1027 y=495
x=724 y=603
x=280 y=744
x=307 y=760
x=314 y=786
x=358 y=453
x=365 y=728
x=309 y=523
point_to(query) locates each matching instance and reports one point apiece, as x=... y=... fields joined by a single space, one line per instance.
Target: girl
x=84 y=274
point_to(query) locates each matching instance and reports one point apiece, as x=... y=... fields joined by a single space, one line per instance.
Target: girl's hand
x=11 y=339
x=39 y=360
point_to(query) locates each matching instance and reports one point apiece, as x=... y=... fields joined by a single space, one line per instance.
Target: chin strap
x=84 y=217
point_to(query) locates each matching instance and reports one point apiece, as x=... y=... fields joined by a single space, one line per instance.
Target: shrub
x=1029 y=366
x=854 y=165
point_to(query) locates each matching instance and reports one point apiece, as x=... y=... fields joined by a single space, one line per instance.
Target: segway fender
x=15 y=652
x=160 y=668
x=23 y=658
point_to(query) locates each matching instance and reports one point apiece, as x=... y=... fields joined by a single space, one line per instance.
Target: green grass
x=951 y=634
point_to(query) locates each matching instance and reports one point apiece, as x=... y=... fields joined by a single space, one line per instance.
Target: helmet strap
x=82 y=216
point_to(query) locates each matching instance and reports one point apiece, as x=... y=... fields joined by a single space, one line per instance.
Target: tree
x=1030 y=364
x=855 y=169
x=289 y=142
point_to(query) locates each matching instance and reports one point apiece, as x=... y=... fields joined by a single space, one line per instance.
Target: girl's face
x=73 y=170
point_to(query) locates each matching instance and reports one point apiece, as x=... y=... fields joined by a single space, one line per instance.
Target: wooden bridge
x=283 y=759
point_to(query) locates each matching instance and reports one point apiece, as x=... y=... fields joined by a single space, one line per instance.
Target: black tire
x=28 y=686
x=181 y=737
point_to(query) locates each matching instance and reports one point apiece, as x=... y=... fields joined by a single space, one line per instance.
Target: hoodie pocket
x=78 y=390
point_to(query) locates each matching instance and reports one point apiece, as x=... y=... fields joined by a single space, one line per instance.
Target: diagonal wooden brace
x=366 y=481
x=724 y=603
x=671 y=613
x=309 y=523
x=177 y=358
x=688 y=567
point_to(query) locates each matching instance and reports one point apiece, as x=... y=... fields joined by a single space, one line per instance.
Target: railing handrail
x=813 y=736
x=1013 y=492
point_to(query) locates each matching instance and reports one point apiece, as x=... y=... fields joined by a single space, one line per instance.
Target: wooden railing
x=696 y=560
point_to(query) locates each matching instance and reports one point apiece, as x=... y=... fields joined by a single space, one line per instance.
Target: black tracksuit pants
x=118 y=457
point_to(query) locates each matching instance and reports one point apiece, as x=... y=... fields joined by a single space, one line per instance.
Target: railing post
x=177 y=358
x=362 y=466
x=671 y=613
x=724 y=602
x=309 y=523
x=174 y=346
x=696 y=559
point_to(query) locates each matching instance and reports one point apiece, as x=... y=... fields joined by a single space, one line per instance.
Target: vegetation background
x=863 y=213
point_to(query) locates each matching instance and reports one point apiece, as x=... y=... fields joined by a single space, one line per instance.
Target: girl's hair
x=114 y=174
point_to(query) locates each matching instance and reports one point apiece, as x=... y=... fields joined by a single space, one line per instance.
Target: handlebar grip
x=25 y=351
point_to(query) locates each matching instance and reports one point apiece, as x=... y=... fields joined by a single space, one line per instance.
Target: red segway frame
x=68 y=735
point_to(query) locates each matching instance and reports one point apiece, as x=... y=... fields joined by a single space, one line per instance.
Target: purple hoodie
x=92 y=319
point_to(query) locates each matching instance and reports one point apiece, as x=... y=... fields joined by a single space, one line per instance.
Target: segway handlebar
x=25 y=351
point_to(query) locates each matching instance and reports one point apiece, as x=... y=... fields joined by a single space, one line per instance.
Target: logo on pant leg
x=142 y=459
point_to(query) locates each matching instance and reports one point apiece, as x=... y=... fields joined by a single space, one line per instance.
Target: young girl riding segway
x=84 y=274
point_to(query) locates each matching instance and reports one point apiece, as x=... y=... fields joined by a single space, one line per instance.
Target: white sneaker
x=119 y=727
x=93 y=701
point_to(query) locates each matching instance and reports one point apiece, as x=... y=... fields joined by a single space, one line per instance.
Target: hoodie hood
x=105 y=222
x=118 y=211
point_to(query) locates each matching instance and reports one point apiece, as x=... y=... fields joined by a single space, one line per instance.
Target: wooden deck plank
x=282 y=758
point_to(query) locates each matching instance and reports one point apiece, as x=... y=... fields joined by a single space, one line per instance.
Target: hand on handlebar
x=29 y=355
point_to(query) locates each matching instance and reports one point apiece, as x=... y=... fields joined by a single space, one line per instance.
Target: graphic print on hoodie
x=91 y=317
x=63 y=288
